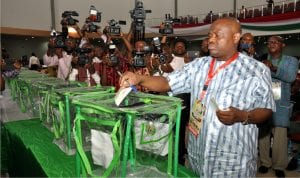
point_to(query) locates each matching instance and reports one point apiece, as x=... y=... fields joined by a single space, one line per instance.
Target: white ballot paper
x=102 y=148
x=213 y=104
x=121 y=95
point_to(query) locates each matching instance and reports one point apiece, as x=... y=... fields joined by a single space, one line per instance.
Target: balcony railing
x=248 y=12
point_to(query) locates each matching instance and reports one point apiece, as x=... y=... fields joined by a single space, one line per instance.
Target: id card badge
x=196 y=118
x=276 y=88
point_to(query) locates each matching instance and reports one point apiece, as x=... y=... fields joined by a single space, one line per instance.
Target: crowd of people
x=230 y=93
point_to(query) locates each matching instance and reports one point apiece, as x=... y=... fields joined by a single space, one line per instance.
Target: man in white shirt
x=179 y=57
x=64 y=63
x=50 y=58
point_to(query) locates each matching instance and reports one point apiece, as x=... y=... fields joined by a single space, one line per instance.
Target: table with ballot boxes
x=138 y=138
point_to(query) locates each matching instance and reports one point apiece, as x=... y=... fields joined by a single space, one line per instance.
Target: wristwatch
x=246 y=121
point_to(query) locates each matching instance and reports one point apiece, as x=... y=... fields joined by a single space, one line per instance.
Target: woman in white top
x=34 y=62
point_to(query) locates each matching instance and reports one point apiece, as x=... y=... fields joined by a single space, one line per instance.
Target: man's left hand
x=230 y=116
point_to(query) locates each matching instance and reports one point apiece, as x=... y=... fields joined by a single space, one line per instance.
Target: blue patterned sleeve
x=288 y=71
x=180 y=81
x=262 y=93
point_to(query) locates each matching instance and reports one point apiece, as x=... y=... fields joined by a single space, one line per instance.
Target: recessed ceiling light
x=32 y=37
x=26 y=39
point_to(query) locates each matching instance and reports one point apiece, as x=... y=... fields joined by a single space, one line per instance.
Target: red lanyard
x=212 y=73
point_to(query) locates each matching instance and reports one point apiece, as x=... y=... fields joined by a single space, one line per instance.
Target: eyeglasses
x=273 y=42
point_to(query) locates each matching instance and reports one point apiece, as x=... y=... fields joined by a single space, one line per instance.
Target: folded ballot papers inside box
x=62 y=112
x=138 y=138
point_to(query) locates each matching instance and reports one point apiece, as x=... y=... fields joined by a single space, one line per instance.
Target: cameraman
x=179 y=57
x=143 y=58
x=64 y=63
x=50 y=58
x=114 y=60
x=97 y=61
x=86 y=68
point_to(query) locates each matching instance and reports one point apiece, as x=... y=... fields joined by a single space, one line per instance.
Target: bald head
x=230 y=22
x=224 y=36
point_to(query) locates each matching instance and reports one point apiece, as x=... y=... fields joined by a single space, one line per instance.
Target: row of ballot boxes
x=139 y=138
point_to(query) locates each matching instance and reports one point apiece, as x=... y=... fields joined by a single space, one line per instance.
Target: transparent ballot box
x=61 y=112
x=46 y=89
x=137 y=139
x=20 y=88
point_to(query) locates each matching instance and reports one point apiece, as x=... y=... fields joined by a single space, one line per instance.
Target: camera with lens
x=68 y=19
x=83 y=57
x=139 y=57
x=90 y=26
x=158 y=51
x=59 y=41
x=138 y=14
x=114 y=27
x=95 y=15
x=113 y=58
x=168 y=25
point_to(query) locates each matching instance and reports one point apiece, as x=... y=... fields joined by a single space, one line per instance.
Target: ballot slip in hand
x=123 y=91
x=122 y=94
x=214 y=104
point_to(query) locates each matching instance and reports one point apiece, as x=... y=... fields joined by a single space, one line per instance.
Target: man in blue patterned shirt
x=230 y=94
x=284 y=70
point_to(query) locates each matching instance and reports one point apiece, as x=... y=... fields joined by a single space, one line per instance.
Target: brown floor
x=271 y=173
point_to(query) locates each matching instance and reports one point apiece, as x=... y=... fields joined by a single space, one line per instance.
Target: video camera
x=59 y=41
x=91 y=27
x=68 y=19
x=95 y=16
x=139 y=57
x=159 y=51
x=114 y=60
x=138 y=14
x=114 y=27
x=168 y=25
x=83 y=57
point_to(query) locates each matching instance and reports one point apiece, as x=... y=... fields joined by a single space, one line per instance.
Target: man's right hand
x=130 y=78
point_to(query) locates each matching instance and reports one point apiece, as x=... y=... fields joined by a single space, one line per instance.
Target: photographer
x=64 y=59
x=99 y=55
x=139 y=58
x=86 y=68
x=114 y=60
x=179 y=58
x=50 y=58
